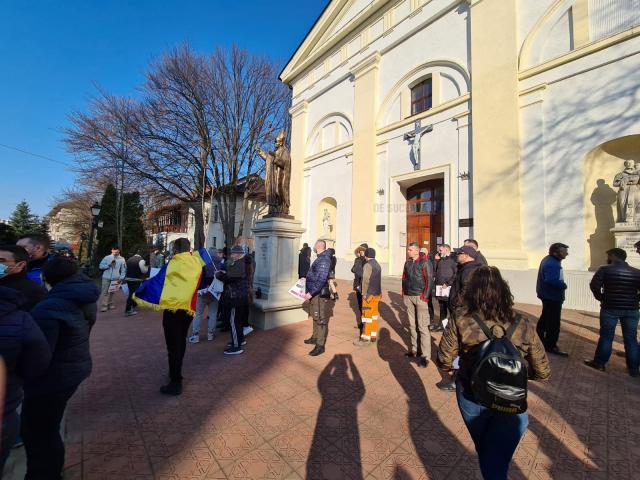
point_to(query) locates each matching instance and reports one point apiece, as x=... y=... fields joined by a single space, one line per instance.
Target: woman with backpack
x=499 y=351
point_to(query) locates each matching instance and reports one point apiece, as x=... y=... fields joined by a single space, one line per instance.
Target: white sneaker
x=247 y=330
x=194 y=338
x=209 y=336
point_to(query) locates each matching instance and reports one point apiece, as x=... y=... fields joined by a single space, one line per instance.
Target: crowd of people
x=48 y=307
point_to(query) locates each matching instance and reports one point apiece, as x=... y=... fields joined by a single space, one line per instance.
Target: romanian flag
x=175 y=286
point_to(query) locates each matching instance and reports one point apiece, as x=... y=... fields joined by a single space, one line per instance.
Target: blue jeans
x=495 y=435
x=608 y=321
x=201 y=302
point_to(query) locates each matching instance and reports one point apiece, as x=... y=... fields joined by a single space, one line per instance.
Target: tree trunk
x=198 y=234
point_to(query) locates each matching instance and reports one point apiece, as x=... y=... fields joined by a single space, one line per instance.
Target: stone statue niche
x=627 y=228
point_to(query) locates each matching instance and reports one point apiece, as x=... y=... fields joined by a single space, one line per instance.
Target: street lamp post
x=95 y=212
x=83 y=238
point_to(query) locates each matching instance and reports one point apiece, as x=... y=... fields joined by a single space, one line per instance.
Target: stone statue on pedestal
x=628 y=193
x=278 y=177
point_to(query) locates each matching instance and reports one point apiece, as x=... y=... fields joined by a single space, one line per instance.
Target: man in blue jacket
x=318 y=294
x=551 y=288
x=37 y=246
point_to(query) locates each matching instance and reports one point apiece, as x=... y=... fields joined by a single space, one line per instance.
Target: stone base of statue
x=626 y=235
x=277 y=244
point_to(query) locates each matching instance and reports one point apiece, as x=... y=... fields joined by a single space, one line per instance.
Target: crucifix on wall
x=413 y=138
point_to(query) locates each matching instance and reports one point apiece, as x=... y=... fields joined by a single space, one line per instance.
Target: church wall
x=581 y=106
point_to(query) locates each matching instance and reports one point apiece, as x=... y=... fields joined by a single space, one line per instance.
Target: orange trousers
x=370 y=315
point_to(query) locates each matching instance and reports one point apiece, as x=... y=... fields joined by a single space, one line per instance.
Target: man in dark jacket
x=236 y=297
x=318 y=295
x=372 y=293
x=137 y=269
x=470 y=242
x=26 y=356
x=13 y=274
x=468 y=263
x=550 y=288
x=445 y=274
x=61 y=318
x=37 y=246
x=304 y=260
x=416 y=290
x=358 y=265
x=617 y=287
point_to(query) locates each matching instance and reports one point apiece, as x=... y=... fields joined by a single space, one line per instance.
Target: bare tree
x=191 y=134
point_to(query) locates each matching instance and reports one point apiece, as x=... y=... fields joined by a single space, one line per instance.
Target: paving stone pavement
x=352 y=413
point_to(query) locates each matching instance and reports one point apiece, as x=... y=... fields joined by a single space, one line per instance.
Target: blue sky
x=54 y=52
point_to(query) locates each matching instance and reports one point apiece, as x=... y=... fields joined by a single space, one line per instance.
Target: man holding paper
x=445 y=275
x=319 y=296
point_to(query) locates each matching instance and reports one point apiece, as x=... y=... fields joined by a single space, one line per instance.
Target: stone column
x=298 y=145
x=363 y=193
x=496 y=157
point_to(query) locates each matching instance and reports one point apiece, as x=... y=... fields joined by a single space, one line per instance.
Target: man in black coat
x=468 y=262
x=13 y=274
x=26 y=355
x=470 y=242
x=446 y=268
x=304 y=260
x=358 y=266
x=617 y=287
x=318 y=295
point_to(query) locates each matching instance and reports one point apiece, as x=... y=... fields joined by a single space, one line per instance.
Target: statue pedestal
x=626 y=235
x=277 y=244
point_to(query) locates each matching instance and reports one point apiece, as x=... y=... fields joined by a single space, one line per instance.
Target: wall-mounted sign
x=380 y=228
x=465 y=222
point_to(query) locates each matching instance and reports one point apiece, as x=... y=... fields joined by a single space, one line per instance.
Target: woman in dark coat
x=61 y=318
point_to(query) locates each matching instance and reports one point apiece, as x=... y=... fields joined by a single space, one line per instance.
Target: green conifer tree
x=22 y=221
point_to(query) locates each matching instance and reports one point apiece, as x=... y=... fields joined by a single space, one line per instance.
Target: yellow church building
x=439 y=120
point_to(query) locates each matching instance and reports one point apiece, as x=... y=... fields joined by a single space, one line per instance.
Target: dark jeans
x=236 y=321
x=359 y=319
x=495 y=435
x=41 y=418
x=133 y=287
x=629 y=322
x=548 y=327
x=176 y=328
x=432 y=312
x=444 y=309
x=10 y=433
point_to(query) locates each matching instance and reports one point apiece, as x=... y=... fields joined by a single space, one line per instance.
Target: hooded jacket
x=32 y=292
x=23 y=348
x=61 y=318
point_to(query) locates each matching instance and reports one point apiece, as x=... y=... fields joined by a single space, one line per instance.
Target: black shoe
x=234 y=351
x=556 y=351
x=594 y=365
x=446 y=386
x=423 y=362
x=172 y=388
x=634 y=374
x=410 y=355
x=435 y=328
x=310 y=341
x=317 y=351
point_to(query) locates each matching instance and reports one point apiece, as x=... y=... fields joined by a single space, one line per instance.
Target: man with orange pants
x=371 y=294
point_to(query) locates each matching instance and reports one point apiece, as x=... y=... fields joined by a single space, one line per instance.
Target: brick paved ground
x=352 y=413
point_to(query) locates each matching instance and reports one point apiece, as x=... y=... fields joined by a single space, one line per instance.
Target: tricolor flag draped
x=175 y=286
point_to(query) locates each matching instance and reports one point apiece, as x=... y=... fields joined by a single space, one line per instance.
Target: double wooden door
x=425 y=214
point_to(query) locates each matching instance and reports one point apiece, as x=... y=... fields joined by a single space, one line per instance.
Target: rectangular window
x=215 y=241
x=421 y=97
x=215 y=214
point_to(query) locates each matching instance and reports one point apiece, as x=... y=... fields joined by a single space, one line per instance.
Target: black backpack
x=499 y=379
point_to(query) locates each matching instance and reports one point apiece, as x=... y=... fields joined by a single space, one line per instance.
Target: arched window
x=422 y=96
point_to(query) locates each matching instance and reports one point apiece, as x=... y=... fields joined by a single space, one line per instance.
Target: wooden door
x=425 y=214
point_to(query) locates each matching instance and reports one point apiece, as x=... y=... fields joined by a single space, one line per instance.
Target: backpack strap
x=513 y=326
x=484 y=327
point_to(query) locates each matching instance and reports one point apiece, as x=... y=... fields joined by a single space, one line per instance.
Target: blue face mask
x=4 y=270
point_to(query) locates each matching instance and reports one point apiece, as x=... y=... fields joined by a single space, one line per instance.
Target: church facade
x=433 y=121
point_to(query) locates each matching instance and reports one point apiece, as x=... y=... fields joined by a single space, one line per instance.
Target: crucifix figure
x=413 y=138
